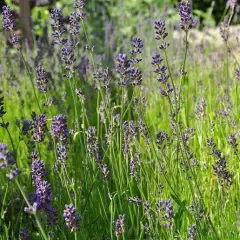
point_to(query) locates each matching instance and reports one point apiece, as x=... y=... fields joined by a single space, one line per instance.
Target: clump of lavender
x=192 y=232
x=68 y=55
x=119 y=226
x=8 y=23
x=165 y=207
x=59 y=127
x=24 y=234
x=185 y=11
x=225 y=178
x=225 y=29
x=42 y=79
x=6 y=157
x=160 y=33
x=57 y=26
x=39 y=129
x=74 y=20
x=71 y=217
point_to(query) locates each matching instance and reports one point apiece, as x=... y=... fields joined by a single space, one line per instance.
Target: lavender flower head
x=62 y=154
x=6 y=157
x=225 y=29
x=2 y=110
x=68 y=55
x=41 y=79
x=8 y=22
x=237 y=73
x=231 y=4
x=71 y=217
x=185 y=11
x=57 y=25
x=192 y=232
x=160 y=33
x=166 y=208
x=74 y=20
x=24 y=234
x=79 y=4
x=123 y=65
x=43 y=195
x=59 y=127
x=38 y=171
x=119 y=226
x=40 y=125
x=137 y=45
x=13 y=174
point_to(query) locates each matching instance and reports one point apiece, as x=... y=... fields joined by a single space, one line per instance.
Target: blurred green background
x=114 y=21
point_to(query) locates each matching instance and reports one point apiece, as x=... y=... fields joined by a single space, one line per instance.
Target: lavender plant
x=124 y=149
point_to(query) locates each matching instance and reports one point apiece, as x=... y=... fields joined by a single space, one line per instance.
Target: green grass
x=81 y=183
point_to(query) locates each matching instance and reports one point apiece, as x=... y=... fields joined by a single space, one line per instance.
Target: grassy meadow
x=128 y=139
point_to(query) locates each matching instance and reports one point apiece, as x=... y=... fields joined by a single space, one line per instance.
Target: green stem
x=35 y=214
x=30 y=76
x=11 y=140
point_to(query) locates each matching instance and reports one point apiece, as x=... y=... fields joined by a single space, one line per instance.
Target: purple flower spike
x=24 y=234
x=57 y=25
x=43 y=194
x=41 y=79
x=160 y=29
x=185 y=11
x=13 y=174
x=8 y=23
x=40 y=125
x=79 y=4
x=6 y=157
x=71 y=217
x=68 y=55
x=59 y=127
x=74 y=20
x=119 y=226
x=38 y=171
